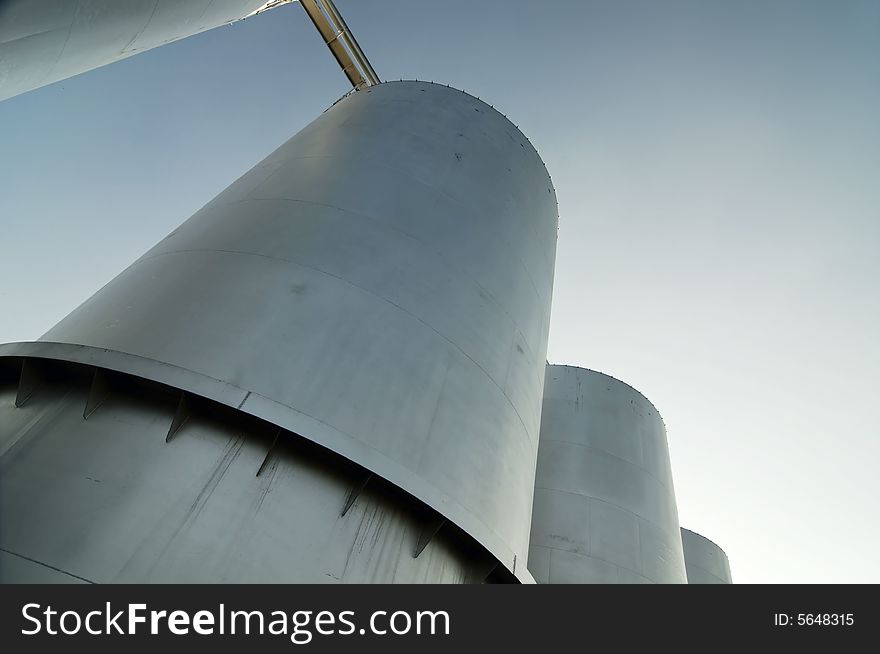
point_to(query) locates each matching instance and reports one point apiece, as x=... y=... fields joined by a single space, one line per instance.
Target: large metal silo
x=706 y=562
x=604 y=509
x=331 y=372
x=44 y=41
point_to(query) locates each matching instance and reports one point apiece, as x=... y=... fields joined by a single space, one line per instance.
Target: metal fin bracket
x=180 y=416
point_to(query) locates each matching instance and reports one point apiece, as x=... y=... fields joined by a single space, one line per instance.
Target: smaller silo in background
x=604 y=508
x=706 y=563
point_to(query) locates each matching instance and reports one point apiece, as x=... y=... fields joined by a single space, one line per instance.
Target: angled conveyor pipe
x=341 y=42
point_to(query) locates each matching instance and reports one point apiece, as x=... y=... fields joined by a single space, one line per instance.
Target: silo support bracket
x=427 y=534
x=355 y=492
x=181 y=415
x=268 y=453
x=28 y=381
x=98 y=392
x=492 y=569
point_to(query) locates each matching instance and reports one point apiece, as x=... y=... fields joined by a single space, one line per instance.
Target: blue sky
x=717 y=166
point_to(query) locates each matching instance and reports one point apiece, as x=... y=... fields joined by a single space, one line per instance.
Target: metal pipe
x=341 y=42
x=370 y=73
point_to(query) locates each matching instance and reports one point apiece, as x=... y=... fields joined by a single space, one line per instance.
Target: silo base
x=227 y=498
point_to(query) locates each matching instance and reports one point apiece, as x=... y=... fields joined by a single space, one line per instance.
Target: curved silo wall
x=706 y=562
x=379 y=285
x=44 y=41
x=604 y=509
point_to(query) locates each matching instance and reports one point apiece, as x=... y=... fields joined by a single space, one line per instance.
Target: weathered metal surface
x=44 y=41
x=379 y=285
x=28 y=380
x=181 y=415
x=706 y=562
x=108 y=500
x=99 y=391
x=604 y=508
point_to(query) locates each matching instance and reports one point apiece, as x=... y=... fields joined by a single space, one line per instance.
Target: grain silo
x=604 y=508
x=706 y=562
x=44 y=41
x=332 y=372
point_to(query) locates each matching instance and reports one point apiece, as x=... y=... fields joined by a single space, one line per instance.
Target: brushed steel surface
x=380 y=284
x=604 y=509
x=706 y=562
x=44 y=41
x=108 y=500
x=341 y=42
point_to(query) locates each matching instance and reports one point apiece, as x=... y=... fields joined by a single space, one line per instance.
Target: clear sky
x=717 y=165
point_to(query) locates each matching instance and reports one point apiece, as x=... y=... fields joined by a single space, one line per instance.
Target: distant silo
x=706 y=562
x=604 y=509
x=331 y=372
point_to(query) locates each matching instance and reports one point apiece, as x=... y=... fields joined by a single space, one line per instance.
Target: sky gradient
x=717 y=166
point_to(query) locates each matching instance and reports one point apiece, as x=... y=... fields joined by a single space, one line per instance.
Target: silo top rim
x=605 y=374
x=452 y=88
x=709 y=540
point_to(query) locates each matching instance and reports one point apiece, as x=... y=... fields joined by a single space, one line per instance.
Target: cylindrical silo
x=44 y=41
x=706 y=562
x=331 y=372
x=604 y=509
